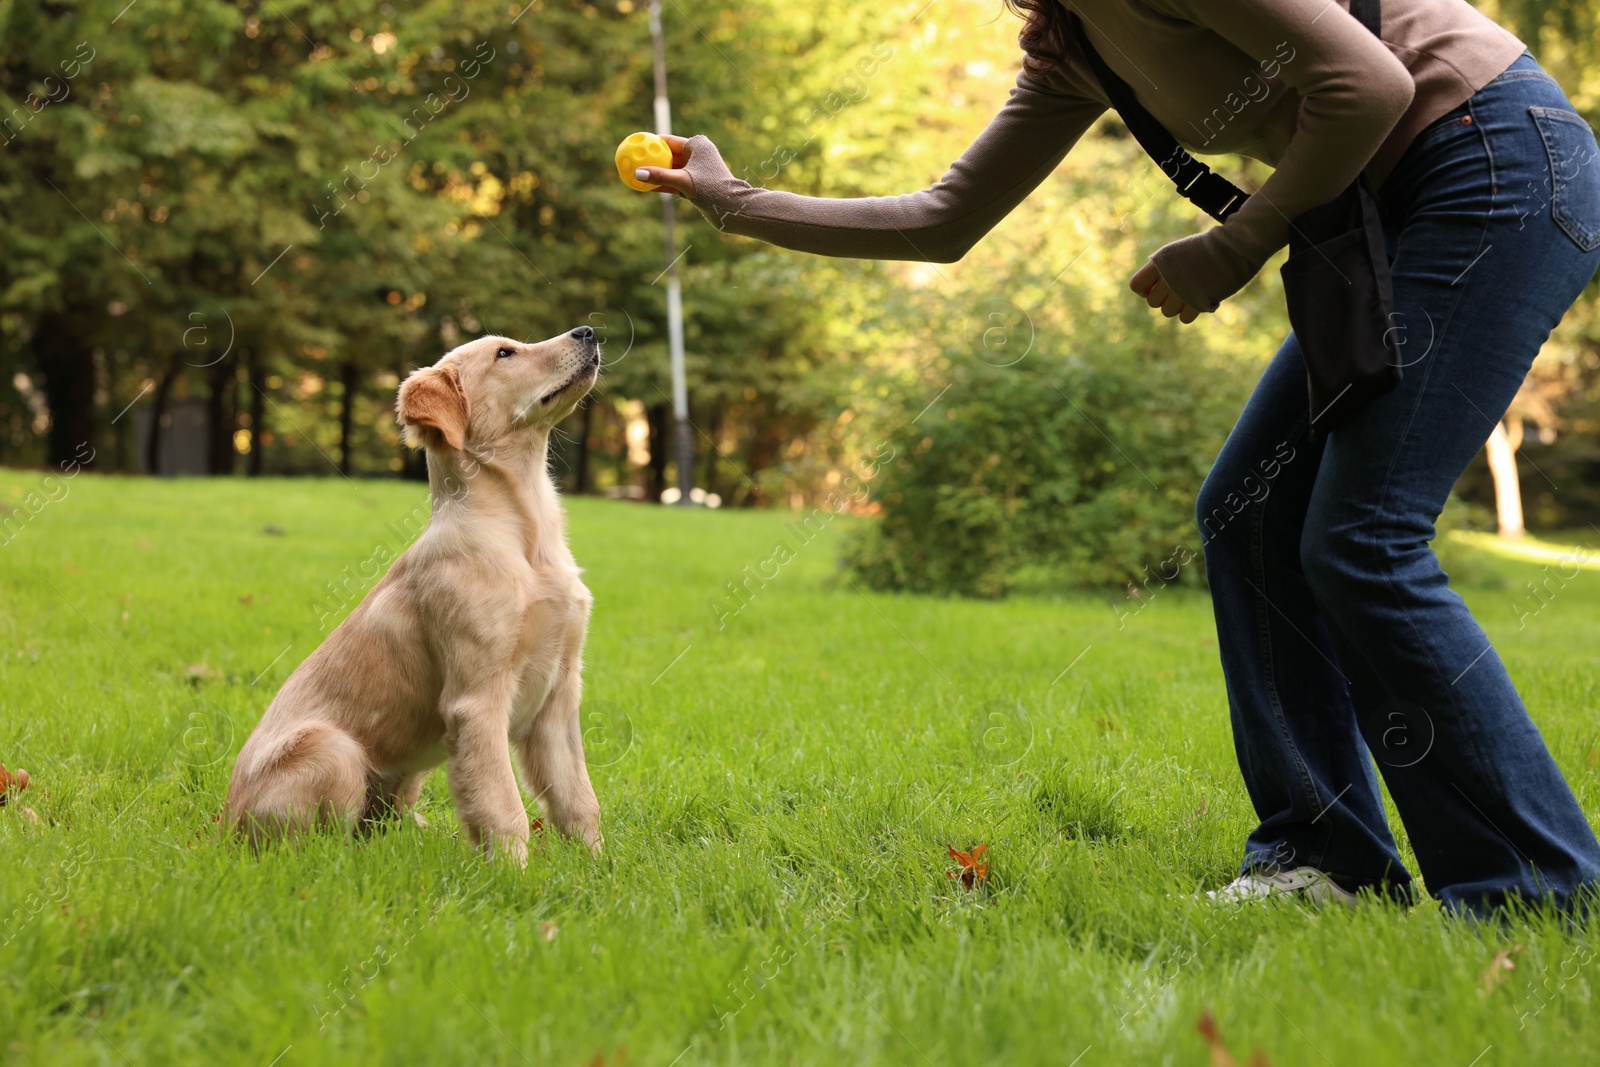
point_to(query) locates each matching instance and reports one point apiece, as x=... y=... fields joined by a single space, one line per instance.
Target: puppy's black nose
x=583 y=333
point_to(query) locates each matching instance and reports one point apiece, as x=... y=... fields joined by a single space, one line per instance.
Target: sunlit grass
x=1531 y=549
x=778 y=797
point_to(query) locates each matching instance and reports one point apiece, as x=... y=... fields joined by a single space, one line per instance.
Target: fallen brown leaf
x=196 y=673
x=1220 y=1056
x=972 y=873
x=1494 y=975
x=1206 y=1024
x=12 y=782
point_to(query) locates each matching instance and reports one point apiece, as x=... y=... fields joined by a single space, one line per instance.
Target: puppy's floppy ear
x=433 y=398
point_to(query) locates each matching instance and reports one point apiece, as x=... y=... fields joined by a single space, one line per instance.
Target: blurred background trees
x=230 y=228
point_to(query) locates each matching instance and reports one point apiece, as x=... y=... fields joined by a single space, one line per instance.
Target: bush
x=1073 y=469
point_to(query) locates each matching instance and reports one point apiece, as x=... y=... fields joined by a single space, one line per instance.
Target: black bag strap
x=1196 y=182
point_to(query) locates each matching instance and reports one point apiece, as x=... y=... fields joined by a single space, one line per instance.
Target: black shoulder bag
x=1336 y=280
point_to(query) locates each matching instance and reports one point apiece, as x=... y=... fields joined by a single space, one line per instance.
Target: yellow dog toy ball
x=641 y=150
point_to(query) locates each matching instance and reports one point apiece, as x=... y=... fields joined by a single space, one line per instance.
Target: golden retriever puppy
x=471 y=647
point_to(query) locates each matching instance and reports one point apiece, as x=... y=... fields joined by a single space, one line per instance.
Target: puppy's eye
x=504 y=353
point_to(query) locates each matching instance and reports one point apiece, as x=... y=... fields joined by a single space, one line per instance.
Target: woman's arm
x=1039 y=123
x=1354 y=91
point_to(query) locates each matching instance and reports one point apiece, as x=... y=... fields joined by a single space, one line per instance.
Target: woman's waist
x=1498 y=108
x=1441 y=104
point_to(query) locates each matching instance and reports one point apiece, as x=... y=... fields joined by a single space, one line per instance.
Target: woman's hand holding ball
x=654 y=164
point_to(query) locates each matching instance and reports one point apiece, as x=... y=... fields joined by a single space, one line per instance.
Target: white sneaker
x=1305 y=883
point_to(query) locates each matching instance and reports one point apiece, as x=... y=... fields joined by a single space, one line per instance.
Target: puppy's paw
x=585 y=828
x=589 y=834
x=505 y=846
x=516 y=850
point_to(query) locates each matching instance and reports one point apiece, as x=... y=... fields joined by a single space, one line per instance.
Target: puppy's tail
x=316 y=776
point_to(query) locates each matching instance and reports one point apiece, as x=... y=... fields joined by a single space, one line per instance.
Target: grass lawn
x=778 y=795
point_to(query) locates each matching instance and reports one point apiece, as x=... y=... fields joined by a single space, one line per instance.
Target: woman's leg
x=1494 y=219
x=1294 y=726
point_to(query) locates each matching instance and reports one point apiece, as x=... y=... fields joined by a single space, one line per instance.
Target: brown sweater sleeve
x=1353 y=91
x=1022 y=144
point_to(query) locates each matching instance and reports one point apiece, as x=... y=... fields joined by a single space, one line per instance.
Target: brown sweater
x=1297 y=84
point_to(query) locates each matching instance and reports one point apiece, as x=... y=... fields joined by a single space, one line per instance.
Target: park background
x=785 y=749
x=231 y=229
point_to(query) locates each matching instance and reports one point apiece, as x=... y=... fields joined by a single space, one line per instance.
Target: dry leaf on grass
x=1494 y=975
x=1220 y=1056
x=12 y=782
x=196 y=673
x=972 y=873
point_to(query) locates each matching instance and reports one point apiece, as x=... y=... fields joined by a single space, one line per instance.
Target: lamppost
x=680 y=387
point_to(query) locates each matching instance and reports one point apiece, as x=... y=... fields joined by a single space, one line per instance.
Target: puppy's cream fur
x=474 y=638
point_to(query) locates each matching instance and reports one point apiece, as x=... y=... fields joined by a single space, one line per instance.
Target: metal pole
x=680 y=387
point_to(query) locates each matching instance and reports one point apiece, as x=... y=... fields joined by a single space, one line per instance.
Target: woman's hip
x=1492 y=218
x=1515 y=163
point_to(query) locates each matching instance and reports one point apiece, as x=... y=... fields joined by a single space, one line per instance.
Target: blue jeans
x=1338 y=631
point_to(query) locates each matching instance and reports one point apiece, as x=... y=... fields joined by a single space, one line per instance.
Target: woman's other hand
x=672 y=179
x=1148 y=283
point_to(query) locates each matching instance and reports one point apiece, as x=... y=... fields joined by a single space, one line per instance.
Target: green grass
x=777 y=797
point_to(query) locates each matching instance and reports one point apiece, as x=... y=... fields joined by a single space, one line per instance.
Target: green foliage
x=280 y=208
x=1082 y=466
x=284 y=207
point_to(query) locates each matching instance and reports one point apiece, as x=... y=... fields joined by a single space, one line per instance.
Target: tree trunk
x=222 y=416
x=622 y=471
x=708 y=478
x=413 y=461
x=349 y=377
x=1502 y=452
x=580 y=459
x=414 y=464
x=123 y=430
x=660 y=445
x=158 y=411
x=67 y=378
x=258 y=415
